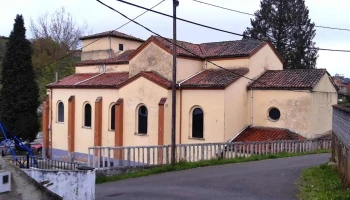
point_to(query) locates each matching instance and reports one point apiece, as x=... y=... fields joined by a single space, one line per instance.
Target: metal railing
x=41 y=163
x=105 y=157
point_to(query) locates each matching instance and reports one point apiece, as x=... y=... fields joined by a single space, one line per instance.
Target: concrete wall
x=213 y=109
x=136 y=93
x=323 y=97
x=152 y=57
x=23 y=186
x=264 y=59
x=229 y=63
x=295 y=108
x=70 y=185
x=112 y=68
x=187 y=67
x=236 y=108
x=97 y=54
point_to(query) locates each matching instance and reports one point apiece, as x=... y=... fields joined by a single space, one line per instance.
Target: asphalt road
x=260 y=180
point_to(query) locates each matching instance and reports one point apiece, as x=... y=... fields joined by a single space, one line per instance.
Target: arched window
x=60 y=112
x=112 y=122
x=142 y=120
x=197 y=123
x=87 y=115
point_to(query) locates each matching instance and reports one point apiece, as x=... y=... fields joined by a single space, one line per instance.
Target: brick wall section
x=341 y=124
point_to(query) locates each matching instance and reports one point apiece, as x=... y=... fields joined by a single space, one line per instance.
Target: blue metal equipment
x=17 y=143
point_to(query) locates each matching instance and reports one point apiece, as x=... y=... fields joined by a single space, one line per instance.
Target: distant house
x=343 y=84
x=120 y=95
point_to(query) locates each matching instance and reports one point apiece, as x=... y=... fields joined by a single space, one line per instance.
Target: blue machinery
x=28 y=161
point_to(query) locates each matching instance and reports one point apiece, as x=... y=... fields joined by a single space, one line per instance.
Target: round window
x=274 y=114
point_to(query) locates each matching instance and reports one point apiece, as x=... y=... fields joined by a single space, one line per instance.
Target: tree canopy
x=286 y=24
x=19 y=92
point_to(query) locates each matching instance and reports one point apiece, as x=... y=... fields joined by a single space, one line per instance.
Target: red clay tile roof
x=106 y=80
x=214 y=78
x=224 y=49
x=116 y=34
x=256 y=134
x=122 y=58
x=304 y=79
x=152 y=76
x=195 y=48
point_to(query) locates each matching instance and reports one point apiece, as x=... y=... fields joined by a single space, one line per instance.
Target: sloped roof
x=304 y=79
x=122 y=58
x=106 y=80
x=214 y=78
x=151 y=76
x=224 y=49
x=256 y=134
x=116 y=34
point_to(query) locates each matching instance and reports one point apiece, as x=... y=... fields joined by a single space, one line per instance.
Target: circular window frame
x=271 y=119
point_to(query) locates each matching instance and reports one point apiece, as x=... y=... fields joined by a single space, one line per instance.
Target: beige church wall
x=323 y=97
x=236 y=108
x=212 y=104
x=295 y=109
x=137 y=93
x=152 y=58
x=111 y=68
x=103 y=44
x=264 y=59
x=325 y=85
x=84 y=137
x=187 y=67
x=127 y=44
x=228 y=63
x=60 y=129
x=167 y=118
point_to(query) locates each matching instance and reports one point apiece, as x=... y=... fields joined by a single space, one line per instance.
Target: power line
x=221 y=30
x=170 y=41
x=245 y=13
x=101 y=37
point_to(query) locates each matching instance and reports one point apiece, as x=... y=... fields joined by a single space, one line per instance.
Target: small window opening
x=274 y=114
x=121 y=47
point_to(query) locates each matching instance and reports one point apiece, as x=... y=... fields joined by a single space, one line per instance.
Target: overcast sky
x=99 y=18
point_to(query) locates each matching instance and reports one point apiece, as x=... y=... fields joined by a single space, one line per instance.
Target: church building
x=120 y=95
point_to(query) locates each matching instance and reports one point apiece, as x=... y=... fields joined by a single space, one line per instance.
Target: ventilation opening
x=274 y=114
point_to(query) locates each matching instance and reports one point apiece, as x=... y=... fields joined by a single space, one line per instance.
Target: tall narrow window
x=142 y=120
x=60 y=112
x=197 y=123
x=121 y=47
x=112 y=117
x=87 y=115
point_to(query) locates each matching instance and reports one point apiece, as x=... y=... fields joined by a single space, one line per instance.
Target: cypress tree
x=19 y=92
x=286 y=24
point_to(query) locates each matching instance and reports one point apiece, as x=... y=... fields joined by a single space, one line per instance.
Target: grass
x=190 y=165
x=322 y=183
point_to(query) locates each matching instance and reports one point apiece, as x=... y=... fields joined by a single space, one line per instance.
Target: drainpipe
x=251 y=107
x=50 y=125
x=110 y=47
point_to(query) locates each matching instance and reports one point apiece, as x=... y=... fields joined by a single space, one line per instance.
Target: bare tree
x=60 y=27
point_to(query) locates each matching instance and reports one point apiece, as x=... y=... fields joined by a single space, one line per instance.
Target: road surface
x=260 y=180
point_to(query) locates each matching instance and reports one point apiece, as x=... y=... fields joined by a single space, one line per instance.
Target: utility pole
x=173 y=105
